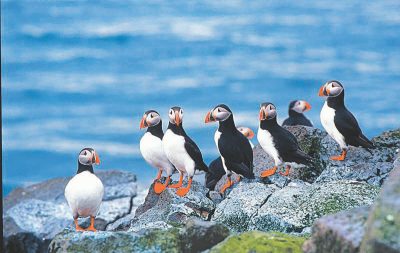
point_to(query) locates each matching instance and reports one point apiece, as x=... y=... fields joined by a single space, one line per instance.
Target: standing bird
x=235 y=150
x=152 y=149
x=339 y=122
x=278 y=142
x=216 y=169
x=84 y=192
x=296 y=116
x=181 y=150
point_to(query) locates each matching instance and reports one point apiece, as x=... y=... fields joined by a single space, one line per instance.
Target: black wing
x=238 y=154
x=348 y=126
x=194 y=152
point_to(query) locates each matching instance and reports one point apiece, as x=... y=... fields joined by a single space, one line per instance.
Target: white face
x=333 y=89
x=86 y=157
x=153 y=119
x=220 y=114
x=175 y=117
x=267 y=112
x=301 y=106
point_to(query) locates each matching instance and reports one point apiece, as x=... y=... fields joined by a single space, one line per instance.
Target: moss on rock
x=256 y=241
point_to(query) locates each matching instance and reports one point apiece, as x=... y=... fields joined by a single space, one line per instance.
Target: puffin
x=278 y=142
x=151 y=148
x=84 y=192
x=216 y=169
x=234 y=148
x=182 y=151
x=296 y=116
x=339 y=122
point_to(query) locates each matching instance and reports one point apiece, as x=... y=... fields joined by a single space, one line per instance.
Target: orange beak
x=143 y=122
x=322 y=91
x=250 y=134
x=177 y=119
x=262 y=115
x=308 y=106
x=208 y=118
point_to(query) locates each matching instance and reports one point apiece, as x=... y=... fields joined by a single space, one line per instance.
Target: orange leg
x=287 y=170
x=340 y=157
x=77 y=227
x=228 y=184
x=158 y=175
x=179 y=184
x=91 y=227
x=269 y=172
x=159 y=187
x=184 y=190
x=239 y=178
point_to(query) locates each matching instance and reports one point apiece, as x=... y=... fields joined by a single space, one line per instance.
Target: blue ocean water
x=81 y=73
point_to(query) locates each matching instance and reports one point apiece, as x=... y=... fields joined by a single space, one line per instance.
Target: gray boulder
x=242 y=203
x=296 y=207
x=38 y=212
x=338 y=233
x=168 y=209
x=383 y=225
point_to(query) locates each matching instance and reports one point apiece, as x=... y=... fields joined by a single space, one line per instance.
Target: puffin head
x=331 y=89
x=220 y=113
x=88 y=156
x=247 y=132
x=267 y=111
x=175 y=115
x=299 y=106
x=149 y=119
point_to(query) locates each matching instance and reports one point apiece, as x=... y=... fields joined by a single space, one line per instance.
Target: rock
x=259 y=242
x=338 y=233
x=361 y=165
x=383 y=225
x=117 y=242
x=242 y=203
x=199 y=235
x=38 y=212
x=296 y=207
x=170 y=209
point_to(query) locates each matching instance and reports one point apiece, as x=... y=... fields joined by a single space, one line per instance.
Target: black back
x=191 y=148
x=296 y=118
x=347 y=124
x=235 y=149
x=215 y=173
x=285 y=142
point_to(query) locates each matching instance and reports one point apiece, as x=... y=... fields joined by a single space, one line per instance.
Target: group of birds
x=174 y=150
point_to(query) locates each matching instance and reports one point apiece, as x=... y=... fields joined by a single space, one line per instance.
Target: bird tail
x=364 y=141
x=202 y=166
x=303 y=158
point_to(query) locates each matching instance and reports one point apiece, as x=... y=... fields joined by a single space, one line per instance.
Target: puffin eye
x=151 y=116
x=170 y=112
x=84 y=152
x=218 y=110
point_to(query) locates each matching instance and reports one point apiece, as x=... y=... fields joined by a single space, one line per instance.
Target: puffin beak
x=97 y=159
x=208 y=117
x=307 y=106
x=250 y=134
x=143 y=122
x=177 y=119
x=323 y=91
x=263 y=115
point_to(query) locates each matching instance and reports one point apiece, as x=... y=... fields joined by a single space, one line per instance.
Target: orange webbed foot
x=228 y=184
x=286 y=173
x=179 y=184
x=184 y=190
x=269 y=172
x=340 y=157
x=91 y=227
x=77 y=227
x=159 y=187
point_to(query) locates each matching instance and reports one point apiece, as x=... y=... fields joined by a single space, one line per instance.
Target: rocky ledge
x=316 y=196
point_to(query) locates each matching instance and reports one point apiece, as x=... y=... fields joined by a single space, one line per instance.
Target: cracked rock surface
x=35 y=214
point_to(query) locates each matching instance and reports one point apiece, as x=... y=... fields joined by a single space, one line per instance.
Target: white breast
x=327 y=120
x=152 y=151
x=174 y=148
x=217 y=135
x=267 y=143
x=84 y=193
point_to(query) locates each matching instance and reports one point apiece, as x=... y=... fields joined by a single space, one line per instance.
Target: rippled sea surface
x=78 y=74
